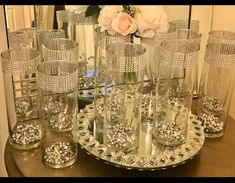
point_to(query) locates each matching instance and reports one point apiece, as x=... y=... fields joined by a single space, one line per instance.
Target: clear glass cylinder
x=152 y=50
x=192 y=36
x=32 y=36
x=19 y=74
x=123 y=85
x=66 y=21
x=45 y=35
x=216 y=86
x=174 y=96
x=18 y=39
x=101 y=41
x=57 y=83
x=60 y=49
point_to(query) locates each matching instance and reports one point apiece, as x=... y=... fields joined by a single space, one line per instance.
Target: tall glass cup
x=19 y=74
x=57 y=83
x=123 y=87
x=216 y=87
x=174 y=95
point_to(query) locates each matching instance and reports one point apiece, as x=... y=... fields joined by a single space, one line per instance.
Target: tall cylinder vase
x=57 y=83
x=216 y=86
x=175 y=98
x=123 y=93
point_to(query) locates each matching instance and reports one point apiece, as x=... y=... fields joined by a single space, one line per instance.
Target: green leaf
x=92 y=10
x=131 y=76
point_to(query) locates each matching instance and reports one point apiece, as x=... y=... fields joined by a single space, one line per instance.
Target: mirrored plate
x=149 y=156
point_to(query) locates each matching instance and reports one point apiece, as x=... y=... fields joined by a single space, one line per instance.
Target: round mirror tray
x=149 y=155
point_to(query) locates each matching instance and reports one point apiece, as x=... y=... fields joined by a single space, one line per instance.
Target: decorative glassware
x=216 y=86
x=174 y=97
x=84 y=35
x=32 y=36
x=45 y=35
x=66 y=21
x=101 y=41
x=123 y=87
x=60 y=49
x=19 y=73
x=152 y=49
x=184 y=24
x=193 y=36
x=57 y=82
x=18 y=39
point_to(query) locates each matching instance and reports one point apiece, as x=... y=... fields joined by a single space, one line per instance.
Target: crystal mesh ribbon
x=179 y=53
x=102 y=39
x=20 y=61
x=125 y=57
x=220 y=55
x=60 y=49
x=57 y=76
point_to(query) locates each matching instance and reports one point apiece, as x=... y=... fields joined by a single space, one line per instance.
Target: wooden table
x=216 y=158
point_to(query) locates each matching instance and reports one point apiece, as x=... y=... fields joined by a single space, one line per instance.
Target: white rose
x=150 y=19
x=106 y=16
x=77 y=8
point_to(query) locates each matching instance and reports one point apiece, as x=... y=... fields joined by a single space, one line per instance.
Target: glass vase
x=57 y=83
x=152 y=69
x=192 y=36
x=174 y=98
x=66 y=21
x=216 y=86
x=19 y=74
x=123 y=92
x=101 y=41
x=45 y=35
x=18 y=39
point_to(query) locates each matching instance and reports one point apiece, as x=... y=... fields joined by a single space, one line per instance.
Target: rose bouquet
x=141 y=21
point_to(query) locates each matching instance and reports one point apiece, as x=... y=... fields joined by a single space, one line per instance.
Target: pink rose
x=124 y=24
x=106 y=16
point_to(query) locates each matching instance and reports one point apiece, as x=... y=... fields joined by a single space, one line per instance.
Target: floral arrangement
x=142 y=21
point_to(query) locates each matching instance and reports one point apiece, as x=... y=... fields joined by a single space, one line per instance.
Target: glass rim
x=20 y=50
x=52 y=30
x=73 y=65
x=139 y=47
x=199 y=34
x=74 y=43
x=197 y=46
